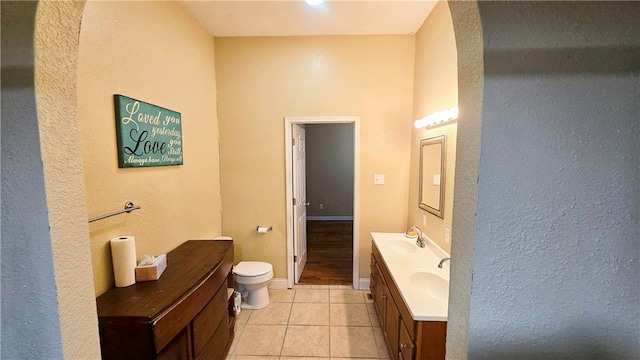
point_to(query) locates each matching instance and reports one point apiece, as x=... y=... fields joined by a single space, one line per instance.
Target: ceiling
x=295 y=17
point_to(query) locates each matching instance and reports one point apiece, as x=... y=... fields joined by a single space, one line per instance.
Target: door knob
x=403 y=346
x=307 y=203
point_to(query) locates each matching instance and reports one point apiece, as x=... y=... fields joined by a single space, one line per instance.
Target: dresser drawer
x=207 y=321
x=218 y=345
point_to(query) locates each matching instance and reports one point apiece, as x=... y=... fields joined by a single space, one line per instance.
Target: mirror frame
x=443 y=165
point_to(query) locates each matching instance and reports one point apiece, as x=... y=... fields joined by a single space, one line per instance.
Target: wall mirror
x=432 y=179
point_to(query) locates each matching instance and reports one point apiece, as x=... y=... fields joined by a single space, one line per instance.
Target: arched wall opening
x=56 y=40
x=56 y=53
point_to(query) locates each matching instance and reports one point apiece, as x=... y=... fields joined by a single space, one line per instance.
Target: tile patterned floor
x=310 y=322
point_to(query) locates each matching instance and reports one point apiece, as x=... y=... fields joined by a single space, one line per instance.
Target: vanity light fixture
x=314 y=2
x=437 y=118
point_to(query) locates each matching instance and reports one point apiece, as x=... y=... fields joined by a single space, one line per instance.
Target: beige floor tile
x=279 y=296
x=373 y=317
x=306 y=341
x=346 y=296
x=243 y=317
x=350 y=341
x=238 y=331
x=309 y=314
x=252 y=357
x=273 y=314
x=311 y=296
x=341 y=358
x=261 y=340
x=380 y=343
x=302 y=287
x=345 y=287
x=334 y=287
x=349 y=315
x=304 y=358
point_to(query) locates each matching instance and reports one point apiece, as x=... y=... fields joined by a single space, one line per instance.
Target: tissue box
x=151 y=269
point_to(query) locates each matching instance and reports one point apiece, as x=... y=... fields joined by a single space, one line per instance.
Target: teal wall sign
x=148 y=135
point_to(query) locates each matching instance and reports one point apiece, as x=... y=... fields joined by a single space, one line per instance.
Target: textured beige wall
x=55 y=51
x=469 y=41
x=435 y=89
x=262 y=80
x=155 y=52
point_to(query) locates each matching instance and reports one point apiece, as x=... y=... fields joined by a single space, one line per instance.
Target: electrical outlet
x=321 y=206
x=447 y=235
x=424 y=219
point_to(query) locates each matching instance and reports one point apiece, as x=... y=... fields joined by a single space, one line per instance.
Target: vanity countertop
x=423 y=286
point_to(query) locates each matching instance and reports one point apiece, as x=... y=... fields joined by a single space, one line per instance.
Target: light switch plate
x=378 y=179
x=424 y=220
x=447 y=235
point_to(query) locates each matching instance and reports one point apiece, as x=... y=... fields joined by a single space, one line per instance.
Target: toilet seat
x=252 y=268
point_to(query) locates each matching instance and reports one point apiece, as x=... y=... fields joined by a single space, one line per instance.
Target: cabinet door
x=392 y=326
x=407 y=348
x=380 y=301
x=178 y=348
x=372 y=278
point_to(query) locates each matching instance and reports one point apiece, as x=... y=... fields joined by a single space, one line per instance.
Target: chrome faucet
x=420 y=240
x=442 y=262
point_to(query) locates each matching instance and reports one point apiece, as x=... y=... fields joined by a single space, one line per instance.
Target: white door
x=299 y=201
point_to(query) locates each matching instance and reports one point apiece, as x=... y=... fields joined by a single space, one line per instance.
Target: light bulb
x=314 y=2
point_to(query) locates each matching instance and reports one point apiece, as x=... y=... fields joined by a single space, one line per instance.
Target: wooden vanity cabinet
x=406 y=338
x=185 y=315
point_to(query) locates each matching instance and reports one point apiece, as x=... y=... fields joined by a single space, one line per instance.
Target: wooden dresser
x=186 y=314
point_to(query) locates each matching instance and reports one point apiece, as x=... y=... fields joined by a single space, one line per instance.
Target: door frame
x=288 y=136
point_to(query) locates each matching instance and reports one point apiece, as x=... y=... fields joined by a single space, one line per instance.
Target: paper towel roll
x=123 y=256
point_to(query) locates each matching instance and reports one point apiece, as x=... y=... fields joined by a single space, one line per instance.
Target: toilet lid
x=252 y=268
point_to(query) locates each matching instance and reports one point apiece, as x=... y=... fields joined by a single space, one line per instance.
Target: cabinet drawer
x=207 y=321
x=217 y=346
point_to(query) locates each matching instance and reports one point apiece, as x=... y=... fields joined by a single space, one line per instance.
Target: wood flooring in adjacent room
x=329 y=253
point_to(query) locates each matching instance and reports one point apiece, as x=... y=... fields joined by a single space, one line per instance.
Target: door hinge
x=295 y=258
x=294 y=201
x=293 y=141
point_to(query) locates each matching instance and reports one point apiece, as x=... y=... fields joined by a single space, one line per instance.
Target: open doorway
x=330 y=253
x=329 y=185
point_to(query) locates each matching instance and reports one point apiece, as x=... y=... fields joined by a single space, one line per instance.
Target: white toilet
x=252 y=278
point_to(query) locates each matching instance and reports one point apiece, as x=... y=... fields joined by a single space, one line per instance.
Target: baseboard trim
x=329 y=218
x=278 y=284
x=364 y=283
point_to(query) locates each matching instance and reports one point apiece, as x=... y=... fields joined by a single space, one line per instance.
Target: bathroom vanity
x=186 y=314
x=410 y=295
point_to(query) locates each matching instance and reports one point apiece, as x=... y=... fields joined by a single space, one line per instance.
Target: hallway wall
x=556 y=255
x=30 y=324
x=329 y=172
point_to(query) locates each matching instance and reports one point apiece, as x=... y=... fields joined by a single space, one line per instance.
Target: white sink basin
x=431 y=285
x=404 y=247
